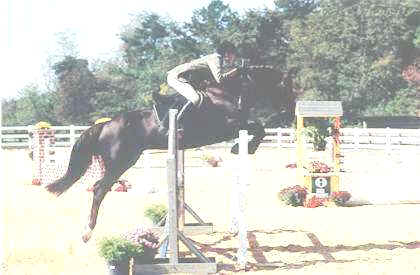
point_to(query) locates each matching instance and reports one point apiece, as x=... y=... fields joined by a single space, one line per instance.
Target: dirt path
x=42 y=233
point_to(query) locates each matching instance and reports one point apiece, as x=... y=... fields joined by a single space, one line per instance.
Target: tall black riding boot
x=185 y=109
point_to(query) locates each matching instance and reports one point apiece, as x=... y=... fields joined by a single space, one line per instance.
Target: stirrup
x=200 y=101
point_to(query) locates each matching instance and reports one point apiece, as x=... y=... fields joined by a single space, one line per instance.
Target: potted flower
x=318 y=167
x=340 y=198
x=211 y=160
x=293 y=195
x=145 y=239
x=156 y=213
x=117 y=252
x=312 y=201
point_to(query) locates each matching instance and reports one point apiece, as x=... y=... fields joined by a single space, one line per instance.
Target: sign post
x=322 y=184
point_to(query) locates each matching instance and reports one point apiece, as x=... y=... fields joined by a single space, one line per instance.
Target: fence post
x=72 y=135
x=30 y=129
x=356 y=138
x=388 y=140
x=279 y=141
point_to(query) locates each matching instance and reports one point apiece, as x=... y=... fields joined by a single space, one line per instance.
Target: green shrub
x=317 y=131
x=156 y=212
x=118 y=249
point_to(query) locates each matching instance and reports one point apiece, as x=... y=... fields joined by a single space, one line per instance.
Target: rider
x=211 y=64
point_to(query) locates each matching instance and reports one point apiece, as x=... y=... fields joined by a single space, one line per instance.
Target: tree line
x=363 y=53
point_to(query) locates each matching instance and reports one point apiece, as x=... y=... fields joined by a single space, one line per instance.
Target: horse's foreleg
x=100 y=189
x=258 y=132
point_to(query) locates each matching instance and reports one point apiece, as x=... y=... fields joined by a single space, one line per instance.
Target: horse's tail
x=80 y=160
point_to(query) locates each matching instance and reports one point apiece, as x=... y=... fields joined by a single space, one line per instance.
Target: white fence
x=19 y=136
x=351 y=138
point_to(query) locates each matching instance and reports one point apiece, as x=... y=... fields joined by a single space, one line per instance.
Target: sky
x=29 y=28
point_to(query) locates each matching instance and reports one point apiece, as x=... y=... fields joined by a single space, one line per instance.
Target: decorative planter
x=120 y=268
x=147 y=257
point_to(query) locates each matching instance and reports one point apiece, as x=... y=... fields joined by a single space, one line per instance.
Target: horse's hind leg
x=113 y=171
x=100 y=189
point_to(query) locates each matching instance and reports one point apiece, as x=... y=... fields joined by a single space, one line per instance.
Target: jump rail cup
x=175 y=264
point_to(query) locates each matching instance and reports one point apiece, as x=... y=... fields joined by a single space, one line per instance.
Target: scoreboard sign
x=321 y=186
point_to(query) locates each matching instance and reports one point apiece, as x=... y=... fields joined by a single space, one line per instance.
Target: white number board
x=318 y=108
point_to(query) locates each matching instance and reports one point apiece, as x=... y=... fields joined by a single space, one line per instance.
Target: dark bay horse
x=121 y=141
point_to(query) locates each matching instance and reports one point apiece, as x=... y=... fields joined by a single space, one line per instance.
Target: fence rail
x=351 y=138
x=19 y=136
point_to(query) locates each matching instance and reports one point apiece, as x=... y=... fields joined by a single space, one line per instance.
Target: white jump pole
x=239 y=200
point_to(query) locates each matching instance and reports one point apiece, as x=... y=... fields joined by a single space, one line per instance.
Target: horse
x=121 y=141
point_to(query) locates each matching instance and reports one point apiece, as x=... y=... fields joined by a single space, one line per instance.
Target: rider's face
x=229 y=57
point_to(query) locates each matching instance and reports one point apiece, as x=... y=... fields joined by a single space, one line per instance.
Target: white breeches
x=183 y=88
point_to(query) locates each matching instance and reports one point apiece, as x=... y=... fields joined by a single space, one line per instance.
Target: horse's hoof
x=235 y=149
x=87 y=235
x=86 y=238
x=251 y=149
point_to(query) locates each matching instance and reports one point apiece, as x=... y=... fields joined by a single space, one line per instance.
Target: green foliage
x=352 y=51
x=317 y=130
x=118 y=249
x=156 y=212
x=416 y=40
x=29 y=108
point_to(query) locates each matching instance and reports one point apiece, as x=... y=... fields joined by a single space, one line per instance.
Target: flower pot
x=147 y=257
x=120 y=268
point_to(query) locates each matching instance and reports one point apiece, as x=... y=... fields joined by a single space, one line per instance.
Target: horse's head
x=254 y=82
x=241 y=92
x=267 y=83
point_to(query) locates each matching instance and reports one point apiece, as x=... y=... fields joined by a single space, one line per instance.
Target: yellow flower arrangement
x=42 y=125
x=102 y=120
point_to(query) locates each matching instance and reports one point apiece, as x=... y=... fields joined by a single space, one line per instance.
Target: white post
x=388 y=140
x=172 y=164
x=242 y=181
x=72 y=135
x=30 y=128
x=356 y=138
x=279 y=139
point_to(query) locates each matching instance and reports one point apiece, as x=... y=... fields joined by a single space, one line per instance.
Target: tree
x=212 y=24
x=30 y=107
x=75 y=90
x=352 y=52
x=65 y=45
